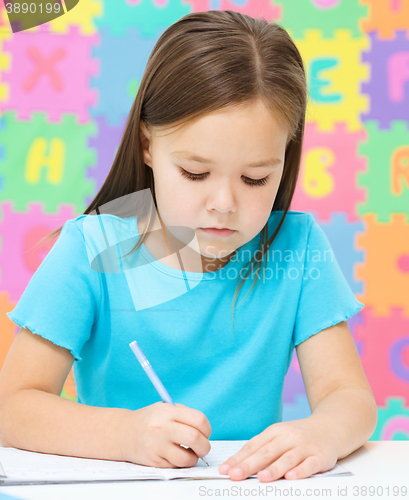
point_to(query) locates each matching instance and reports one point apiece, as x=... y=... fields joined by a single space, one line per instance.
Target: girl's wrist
x=126 y=424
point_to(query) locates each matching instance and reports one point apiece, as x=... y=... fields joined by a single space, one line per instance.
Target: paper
x=27 y=467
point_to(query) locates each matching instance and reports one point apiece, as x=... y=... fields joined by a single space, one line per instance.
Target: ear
x=146 y=140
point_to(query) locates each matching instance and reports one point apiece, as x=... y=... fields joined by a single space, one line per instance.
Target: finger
x=251 y=447
x=160 y=462
x=287 y=461
x=311 y=465
x=180 y=456
x=194 y=418
x=261 y=459
x=181 y=434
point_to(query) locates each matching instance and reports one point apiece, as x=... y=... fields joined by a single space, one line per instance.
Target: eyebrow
x=188 y=155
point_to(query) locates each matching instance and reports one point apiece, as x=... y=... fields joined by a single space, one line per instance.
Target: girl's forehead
x=246 y=110
x=244 y=121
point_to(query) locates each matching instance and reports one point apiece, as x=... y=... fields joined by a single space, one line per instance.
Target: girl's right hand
x=153 y=436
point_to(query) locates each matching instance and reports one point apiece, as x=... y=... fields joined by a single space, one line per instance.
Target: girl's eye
x=201 y=177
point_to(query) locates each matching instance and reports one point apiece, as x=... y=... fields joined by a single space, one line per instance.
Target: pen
x=163 y=393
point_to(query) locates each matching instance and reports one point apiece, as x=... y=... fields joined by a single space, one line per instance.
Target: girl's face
x=216 y=152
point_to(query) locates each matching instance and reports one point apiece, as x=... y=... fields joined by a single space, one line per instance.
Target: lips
x=212 y=231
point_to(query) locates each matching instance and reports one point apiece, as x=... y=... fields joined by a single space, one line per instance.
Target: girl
x=213 y=140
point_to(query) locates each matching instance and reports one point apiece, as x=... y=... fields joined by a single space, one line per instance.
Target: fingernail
x=237 y=472
x=224 y=468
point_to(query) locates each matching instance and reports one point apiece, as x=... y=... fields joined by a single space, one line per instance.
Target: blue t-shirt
x=182 y=320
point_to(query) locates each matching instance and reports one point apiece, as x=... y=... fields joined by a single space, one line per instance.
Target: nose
x=222 y=197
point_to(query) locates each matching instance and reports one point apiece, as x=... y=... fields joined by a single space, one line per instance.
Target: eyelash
x=202 y=177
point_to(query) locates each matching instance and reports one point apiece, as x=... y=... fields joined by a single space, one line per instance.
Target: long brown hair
x=204 y=62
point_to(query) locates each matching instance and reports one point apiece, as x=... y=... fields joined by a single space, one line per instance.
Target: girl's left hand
x=295 y=450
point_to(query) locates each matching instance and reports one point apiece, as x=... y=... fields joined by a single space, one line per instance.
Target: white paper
x=21 y=466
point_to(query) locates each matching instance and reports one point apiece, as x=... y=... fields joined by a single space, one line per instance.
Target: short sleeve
x=61 y=301
x=325 y=298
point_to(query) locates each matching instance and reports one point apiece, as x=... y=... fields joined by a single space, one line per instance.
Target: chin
x=223 y=255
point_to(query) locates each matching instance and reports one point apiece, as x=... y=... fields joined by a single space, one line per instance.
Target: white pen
x=163 y=393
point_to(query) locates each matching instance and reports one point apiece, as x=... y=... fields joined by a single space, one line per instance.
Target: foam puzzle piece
x=82 y=15
x=2 y=152
x=328 y=170
x=393 y=420
x=386 y=17
x=334 y=98
x=353 y=322
x=387 y=178
x=385 y=353
x=325 y=15
x=385 y=270
x=297 y=410
x=51 y=73
x=4 y=66
x=5 y=28
x=117 y=73
x=69 y=390
x=293 y=382
x=341 y=235
x=20 y=233
x=105 y=145
x=49 y=162
x=7 y=327
x=254 y=8
x=147 y=16
x=388 y=88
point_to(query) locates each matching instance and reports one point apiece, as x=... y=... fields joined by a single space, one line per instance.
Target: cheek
x=256 y=216
x=182 y=197
x=167 y=190
x=260 y=202
x=179 y=206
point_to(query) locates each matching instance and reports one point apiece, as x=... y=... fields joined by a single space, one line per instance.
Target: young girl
x=213 y=140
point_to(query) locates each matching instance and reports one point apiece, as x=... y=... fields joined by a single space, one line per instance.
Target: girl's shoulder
x=103 y=222
x=99 y=234
x=98 y=230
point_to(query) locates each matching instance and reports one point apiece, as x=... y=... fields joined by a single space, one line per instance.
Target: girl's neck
x=164 y=235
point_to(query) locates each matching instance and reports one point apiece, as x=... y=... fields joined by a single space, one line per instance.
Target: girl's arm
x=344 y=415
x=338 y=391
x=34 y=417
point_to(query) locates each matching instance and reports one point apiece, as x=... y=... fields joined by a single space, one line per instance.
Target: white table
x=382 y=465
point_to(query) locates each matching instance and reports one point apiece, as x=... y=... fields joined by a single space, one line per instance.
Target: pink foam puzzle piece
x=20 y=257
x=385 y=353
x=327 y=180
x=51 y=72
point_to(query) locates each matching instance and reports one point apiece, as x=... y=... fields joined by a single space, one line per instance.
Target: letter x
x=44 y=65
